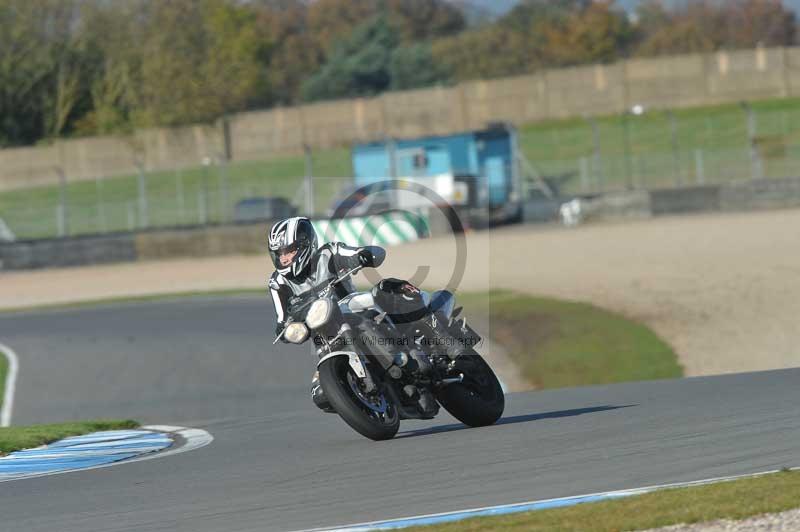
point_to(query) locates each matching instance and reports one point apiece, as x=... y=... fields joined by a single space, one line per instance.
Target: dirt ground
x=723 y=290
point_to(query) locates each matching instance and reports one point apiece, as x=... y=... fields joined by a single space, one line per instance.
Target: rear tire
x=361 y=412
x=479 y=400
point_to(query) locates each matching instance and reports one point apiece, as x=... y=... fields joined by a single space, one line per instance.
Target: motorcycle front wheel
x=371 y=415
x=478 y=400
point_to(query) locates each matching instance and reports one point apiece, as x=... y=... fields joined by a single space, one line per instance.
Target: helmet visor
x=284 y=257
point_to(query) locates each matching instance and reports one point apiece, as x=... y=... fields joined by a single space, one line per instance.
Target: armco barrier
x=59 y=253
x=202 y=241
x=685 y=200
x=627 y=205
x=385 y=230
x=763 y=194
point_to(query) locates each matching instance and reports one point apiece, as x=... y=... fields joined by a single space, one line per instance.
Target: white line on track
x=11 y=384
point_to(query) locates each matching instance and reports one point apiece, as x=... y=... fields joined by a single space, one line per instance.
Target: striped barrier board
x=386 y=229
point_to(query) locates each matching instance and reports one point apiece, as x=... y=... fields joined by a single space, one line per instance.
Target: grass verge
x=734 y=500
x=560 y=344
x=16 y=438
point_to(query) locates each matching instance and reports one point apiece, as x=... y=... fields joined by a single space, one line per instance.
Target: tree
x=113 y=41
x=474 y=54
x=760 y=22
x=703 y=26
x=538 y=34
x=422 y=20
x=306 y=35
x=200 y=60
x=40 y=68
x=294 y=53
x=413 y=66
x=592 y=34
x=360 y=66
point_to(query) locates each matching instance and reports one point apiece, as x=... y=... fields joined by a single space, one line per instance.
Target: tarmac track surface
x=277 y=463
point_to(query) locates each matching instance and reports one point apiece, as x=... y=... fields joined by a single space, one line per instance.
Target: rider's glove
x=365 y=258
x=278 y=330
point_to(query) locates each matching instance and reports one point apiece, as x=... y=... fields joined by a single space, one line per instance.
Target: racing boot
x=427 y=405
x=425 y=402
x=422 y=361
x=318 y=395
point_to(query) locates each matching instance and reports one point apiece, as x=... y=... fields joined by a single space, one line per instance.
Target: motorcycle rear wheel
x=479 y=400
x=374 y=417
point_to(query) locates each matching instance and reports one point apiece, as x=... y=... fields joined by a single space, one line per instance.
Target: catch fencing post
x=179 y=196
x=62 y=211
x=699 y=167
x=676 y=159
x=583 y=164
x=101 y=210
x=597 y=162
x=626 y=131
x=309 y=181
x=202 y=205
x=131 y=216
x=756 y=165
x=204 y=209
x=142 y=186
x=225 y=207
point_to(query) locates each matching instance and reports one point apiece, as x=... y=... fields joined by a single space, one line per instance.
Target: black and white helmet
x=292 y=234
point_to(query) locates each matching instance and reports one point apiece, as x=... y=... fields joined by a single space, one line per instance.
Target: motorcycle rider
x=300 y=266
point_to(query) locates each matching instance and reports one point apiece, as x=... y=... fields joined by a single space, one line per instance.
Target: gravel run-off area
x=781 y=522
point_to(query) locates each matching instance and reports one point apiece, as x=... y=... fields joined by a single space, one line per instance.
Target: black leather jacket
x=328 y=261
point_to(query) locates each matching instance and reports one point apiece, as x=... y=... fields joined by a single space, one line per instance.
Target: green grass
x=16 y=438
x=556 y=147
x=719 y=132
x=186 y=197
x=735 y=500
x=560 y=344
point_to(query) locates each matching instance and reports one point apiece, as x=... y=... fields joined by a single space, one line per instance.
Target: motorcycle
x=378 y=366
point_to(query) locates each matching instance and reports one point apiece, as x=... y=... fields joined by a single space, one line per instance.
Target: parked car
x=261 y=208
x=6 y=235
x=352 y=202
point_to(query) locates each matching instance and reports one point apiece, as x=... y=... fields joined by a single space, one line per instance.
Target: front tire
x=376 y=418
x=479 y=400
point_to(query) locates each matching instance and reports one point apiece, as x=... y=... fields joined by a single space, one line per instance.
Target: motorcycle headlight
x=319 y=313
x=296 y=333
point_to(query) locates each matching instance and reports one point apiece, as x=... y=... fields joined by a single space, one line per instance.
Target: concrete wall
x=793 y=71
x=668 y=82
x=109 y=156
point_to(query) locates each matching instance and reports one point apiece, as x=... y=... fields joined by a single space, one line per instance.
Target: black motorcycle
x=387 y=355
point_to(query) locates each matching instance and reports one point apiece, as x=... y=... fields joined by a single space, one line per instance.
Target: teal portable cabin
x=485 y=159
